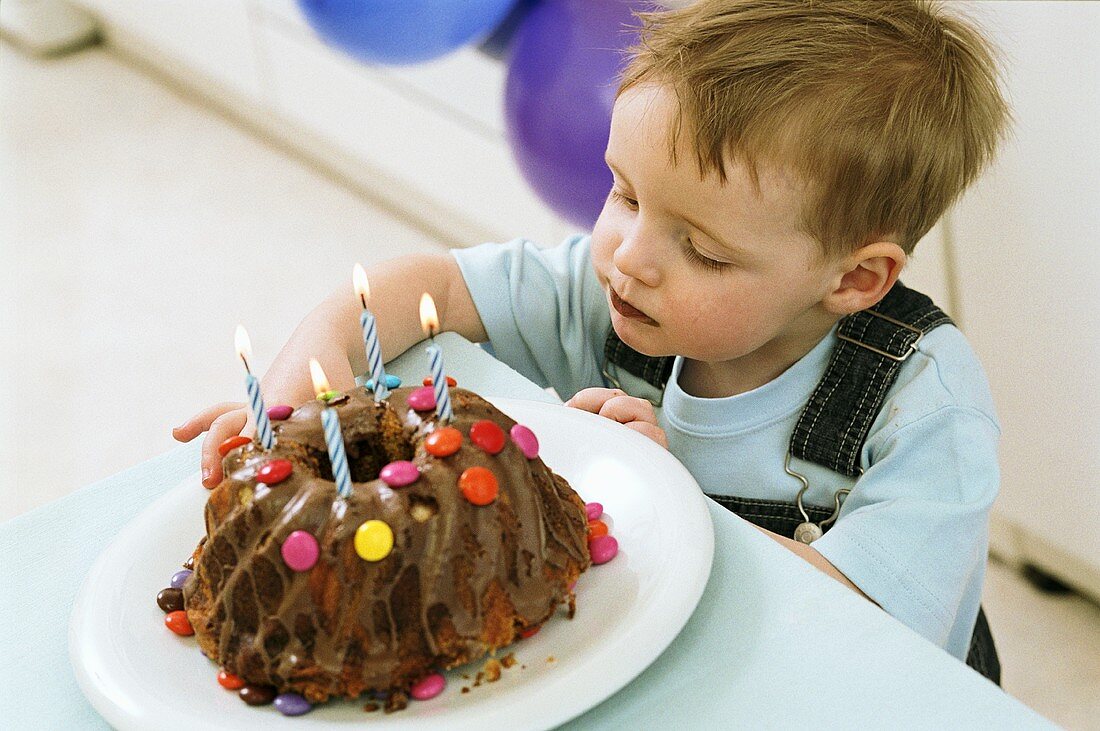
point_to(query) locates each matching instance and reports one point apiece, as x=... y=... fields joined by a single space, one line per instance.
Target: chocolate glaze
x=462 y=580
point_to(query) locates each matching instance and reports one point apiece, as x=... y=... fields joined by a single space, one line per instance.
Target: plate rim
x=689 y=589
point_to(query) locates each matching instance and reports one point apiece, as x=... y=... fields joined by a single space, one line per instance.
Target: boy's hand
x=220 y=421
x=634 y=413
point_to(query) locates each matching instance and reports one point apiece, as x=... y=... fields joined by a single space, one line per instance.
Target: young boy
x=774 y=165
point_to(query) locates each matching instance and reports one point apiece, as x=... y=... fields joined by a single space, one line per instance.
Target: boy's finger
x=652 y=431
x=223 y=427
x=625 y=409
x=592 y=399
x=201 y=421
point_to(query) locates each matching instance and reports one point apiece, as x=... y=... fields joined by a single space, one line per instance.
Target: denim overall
x=834 y=424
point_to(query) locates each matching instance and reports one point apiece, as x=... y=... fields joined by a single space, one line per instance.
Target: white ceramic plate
x=138 y=675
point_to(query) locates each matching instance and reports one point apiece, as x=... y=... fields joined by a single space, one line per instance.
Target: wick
x=363 y=299
x=245 y=361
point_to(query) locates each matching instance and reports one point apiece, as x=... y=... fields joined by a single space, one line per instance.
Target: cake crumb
x=397 y=701
x=371 y=707
x=492 y=670
x=551 y=659
x=478 y=679
x=465 y=689
x=522 y=667
x=508 y=660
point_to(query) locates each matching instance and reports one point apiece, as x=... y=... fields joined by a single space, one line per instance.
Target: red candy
x=274 y=471
x=229 y=681
x=177 y=622
x=530 y=631
x=488 y=436
x=478 y=485
x=443 y=442
x=596 y=528
x=450 y=381
x=232 y=443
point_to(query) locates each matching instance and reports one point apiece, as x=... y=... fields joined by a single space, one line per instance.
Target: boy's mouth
x=626 y=309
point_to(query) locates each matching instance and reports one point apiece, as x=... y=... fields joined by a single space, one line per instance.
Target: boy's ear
x=865 y=276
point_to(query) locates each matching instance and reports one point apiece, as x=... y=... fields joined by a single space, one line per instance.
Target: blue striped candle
x=439 y=384
x=370 y=335
x=334 y=440
x=255 y=399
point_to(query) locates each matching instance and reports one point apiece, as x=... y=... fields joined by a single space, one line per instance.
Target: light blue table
x=773 y=642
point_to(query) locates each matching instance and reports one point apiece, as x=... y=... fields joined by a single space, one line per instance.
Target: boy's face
x=710 y=271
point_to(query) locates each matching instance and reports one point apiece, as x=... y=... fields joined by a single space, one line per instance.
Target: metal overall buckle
x=807 y=531
x=899 y=358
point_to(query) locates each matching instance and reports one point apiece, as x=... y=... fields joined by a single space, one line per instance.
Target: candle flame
x=244 y=346
x=429 y=319
x=362 y=287
x=320 y=382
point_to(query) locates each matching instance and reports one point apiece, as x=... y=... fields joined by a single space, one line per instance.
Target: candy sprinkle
x=373 y=540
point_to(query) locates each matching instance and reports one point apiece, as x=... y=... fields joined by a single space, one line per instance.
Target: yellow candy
x=373 y=540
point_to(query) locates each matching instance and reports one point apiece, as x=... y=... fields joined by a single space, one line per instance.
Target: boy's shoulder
x=943 y=376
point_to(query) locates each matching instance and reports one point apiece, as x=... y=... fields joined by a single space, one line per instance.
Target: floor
x=137 y=228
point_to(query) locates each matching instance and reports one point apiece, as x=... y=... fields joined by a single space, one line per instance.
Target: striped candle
x=334 y=440
x=370 y=334
x=255 y=399
x=439 y=383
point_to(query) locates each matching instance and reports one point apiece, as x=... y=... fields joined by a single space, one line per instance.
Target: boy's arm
x=331 y=333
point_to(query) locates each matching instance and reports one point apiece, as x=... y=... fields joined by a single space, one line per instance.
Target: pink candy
x=300 y=551
x=400 y=473
x=526 y=440
x=281 y=412
x=429 y=687
x=421 y=399
x=603 y=549
x=593 y=510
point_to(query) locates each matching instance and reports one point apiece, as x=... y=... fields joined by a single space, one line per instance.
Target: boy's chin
x=627 y=330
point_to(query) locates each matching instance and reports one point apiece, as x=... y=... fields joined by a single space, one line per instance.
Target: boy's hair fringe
x=888 y=109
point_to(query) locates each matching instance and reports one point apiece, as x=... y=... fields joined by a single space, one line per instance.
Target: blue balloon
x=403 y=31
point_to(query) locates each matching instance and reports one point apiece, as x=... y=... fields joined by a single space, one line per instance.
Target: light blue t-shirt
x=912 y=534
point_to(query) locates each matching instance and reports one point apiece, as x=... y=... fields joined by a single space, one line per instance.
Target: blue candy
x=292 y=704
x=180 y=578
x=392 y=381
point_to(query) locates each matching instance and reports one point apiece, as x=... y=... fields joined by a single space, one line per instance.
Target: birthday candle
x=429 y=320
x=370 y=335
x=255 y=399
x=334 y=440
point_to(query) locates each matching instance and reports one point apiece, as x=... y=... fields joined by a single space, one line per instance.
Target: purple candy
x=603 y=549
x=292 y=704
x=400 y=473
x=281 y=412
x=526 y=440
x=300 y=551
x=422 y=399
x=429 y=687
x=180 y=578
x=594 y=510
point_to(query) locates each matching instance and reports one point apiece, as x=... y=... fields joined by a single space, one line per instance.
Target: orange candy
x=596 y=528
x=443 y=442
x=177 y=622
x=479 y=485
x=229 y=681
x=530 y=631
x=450 y=381
x=232 y=443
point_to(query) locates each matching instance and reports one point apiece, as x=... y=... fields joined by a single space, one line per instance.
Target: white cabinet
x=1029 y=287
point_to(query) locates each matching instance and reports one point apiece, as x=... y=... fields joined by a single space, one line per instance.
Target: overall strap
x=652 y=369
x=865 y=363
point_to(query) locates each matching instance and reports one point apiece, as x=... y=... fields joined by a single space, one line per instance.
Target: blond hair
x=887 y=109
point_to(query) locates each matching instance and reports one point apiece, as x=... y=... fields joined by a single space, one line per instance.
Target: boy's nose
x=638 y=259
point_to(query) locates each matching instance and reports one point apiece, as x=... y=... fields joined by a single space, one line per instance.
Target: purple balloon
x=563 y=70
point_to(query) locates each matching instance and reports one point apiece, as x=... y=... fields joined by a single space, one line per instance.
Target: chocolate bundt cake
x=468 y=571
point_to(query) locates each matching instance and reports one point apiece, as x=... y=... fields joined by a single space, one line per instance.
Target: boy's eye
x=693 y=255
x=628 y=202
